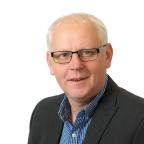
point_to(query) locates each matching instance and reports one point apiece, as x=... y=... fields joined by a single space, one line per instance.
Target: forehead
x=75 y=33
x=70 y=25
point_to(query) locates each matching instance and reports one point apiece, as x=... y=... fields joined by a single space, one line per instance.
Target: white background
x=24 y=75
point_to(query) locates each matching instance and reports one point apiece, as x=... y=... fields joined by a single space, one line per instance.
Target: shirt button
x=74 y=135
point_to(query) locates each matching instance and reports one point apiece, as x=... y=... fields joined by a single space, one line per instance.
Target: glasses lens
x=88 y=54
x=62 y=56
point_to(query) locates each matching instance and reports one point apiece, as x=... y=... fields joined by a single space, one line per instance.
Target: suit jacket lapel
x=103 y=114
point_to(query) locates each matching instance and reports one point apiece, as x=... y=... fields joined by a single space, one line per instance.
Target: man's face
x=79 y=80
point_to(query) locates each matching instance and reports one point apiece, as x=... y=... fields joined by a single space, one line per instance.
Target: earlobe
x=49 y=62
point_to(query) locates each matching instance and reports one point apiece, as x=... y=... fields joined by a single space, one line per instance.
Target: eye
x=66 y=54
x=87 y=53
x=62 y=55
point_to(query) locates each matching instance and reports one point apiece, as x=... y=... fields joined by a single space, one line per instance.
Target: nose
x=76 y=63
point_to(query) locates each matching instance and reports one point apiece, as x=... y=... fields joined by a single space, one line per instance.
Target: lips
x=77 y=79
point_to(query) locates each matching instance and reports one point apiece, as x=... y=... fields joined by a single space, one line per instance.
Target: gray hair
x=79 y=18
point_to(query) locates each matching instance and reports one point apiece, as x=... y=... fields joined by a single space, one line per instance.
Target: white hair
x=79 y=18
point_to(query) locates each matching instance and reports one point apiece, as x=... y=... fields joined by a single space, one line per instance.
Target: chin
x=77 y=94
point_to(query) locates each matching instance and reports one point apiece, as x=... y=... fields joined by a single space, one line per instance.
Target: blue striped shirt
x=75 y=133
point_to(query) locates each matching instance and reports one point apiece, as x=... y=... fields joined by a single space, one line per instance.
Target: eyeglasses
x=63 y=57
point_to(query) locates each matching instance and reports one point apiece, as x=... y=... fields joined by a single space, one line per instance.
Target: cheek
x=103 y=62
x=98 y=76
x=50 y=64
x=98 y=70
x=59 y=73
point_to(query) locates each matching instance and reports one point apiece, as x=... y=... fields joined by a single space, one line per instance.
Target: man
x=93 y=108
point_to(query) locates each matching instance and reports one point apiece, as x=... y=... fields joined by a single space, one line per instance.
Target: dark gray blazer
x=118 y=119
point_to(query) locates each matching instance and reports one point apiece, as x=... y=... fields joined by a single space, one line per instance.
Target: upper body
x=79 y=56
x=118 y=119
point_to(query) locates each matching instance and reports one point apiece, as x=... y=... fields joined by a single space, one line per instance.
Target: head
x=80 y=80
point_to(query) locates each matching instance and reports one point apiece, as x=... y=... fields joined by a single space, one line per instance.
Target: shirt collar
x=88 y=111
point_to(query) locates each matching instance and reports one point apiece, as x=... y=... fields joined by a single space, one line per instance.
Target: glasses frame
x=78 y=53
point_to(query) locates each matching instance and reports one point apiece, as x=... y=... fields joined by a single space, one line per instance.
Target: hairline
x=79 y=18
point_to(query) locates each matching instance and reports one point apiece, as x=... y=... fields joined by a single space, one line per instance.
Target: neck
x=75 y=109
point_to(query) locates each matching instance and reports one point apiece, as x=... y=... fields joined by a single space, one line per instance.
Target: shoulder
x=46 y=109
x=49 y=103
x=129 y=99
x=123 y=96
x=129 y=104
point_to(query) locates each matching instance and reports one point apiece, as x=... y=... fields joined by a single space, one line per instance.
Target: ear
x=50 y=63
x=109 y=54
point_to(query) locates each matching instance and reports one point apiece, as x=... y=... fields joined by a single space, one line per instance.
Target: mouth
x=77 y=79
